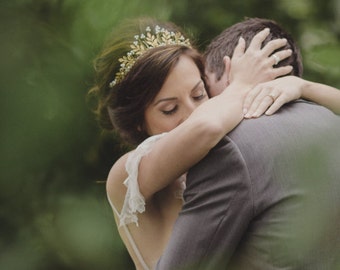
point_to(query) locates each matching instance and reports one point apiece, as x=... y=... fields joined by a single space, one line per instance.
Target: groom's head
x=225 y=43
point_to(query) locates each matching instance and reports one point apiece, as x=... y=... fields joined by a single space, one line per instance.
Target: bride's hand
x=268 y=97
x=256 y=65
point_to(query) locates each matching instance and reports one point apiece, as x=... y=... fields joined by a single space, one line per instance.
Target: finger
x=240 y=48
x=273 y=45
x=263 y=106
x=265 y=97
x=256 y=42
x=283 y=54
x=281 y=71
x=251 y=95
x=260 y=103
x=278 y=103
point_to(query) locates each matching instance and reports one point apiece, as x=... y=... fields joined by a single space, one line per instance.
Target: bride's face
x=182 y=92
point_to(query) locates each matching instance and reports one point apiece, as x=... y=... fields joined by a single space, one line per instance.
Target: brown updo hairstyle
x=122 y=106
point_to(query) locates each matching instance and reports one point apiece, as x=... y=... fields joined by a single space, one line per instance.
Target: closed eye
x=169 y=112
x=200 y=97
x=199 y=92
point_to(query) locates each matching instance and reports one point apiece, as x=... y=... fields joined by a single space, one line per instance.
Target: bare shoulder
x=115 y=187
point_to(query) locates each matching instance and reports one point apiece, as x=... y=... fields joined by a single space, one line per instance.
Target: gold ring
x=276 y=59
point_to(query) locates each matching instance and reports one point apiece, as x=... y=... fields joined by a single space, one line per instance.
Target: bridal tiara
x=144 y=42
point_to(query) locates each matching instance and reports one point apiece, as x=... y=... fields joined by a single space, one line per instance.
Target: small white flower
x=112 y=84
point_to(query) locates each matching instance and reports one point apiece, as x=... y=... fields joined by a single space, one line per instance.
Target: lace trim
x=134 y=202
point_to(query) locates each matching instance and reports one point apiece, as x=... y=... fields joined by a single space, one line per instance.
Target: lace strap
x=134 y=201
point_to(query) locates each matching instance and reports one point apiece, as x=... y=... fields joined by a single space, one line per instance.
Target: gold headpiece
x=145 y=42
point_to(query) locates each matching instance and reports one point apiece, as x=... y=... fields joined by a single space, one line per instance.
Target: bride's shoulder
x=115 y=187
x=124 y=172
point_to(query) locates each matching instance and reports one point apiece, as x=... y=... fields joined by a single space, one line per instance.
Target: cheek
x=166 y=124
x=216 y=88
x=156 y=125
x=214 y=92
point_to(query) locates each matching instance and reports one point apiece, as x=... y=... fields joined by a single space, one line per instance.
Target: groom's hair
x=225 y=43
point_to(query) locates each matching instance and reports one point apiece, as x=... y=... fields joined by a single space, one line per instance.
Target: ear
x=226 y=74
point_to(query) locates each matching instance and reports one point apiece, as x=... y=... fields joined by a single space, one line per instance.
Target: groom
x=268 y=195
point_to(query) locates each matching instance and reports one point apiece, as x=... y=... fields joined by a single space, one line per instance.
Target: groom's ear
x=227 y=68
x=225 y=78
x=215 y=86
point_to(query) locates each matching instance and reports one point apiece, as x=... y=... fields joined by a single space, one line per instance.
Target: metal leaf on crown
x=144 y=42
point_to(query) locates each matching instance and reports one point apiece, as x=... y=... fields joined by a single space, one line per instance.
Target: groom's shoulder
x=297 y=120
x=298 y=115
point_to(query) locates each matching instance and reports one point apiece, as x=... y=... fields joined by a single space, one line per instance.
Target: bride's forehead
x=184 y=75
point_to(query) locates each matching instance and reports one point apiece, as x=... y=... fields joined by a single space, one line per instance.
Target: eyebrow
x=174 y=98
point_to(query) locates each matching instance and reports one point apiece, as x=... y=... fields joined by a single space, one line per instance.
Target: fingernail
x=245 y=111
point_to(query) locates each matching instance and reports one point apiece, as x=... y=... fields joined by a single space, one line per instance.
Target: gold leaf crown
x=144 y=42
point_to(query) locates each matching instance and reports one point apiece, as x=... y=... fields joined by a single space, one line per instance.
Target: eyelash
x=201 y=96
x=197 y=98
x=172 y=111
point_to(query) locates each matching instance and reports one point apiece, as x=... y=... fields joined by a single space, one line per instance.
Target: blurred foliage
x=54 y=213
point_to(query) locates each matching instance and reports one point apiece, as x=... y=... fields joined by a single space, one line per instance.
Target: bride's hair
x=123 y=93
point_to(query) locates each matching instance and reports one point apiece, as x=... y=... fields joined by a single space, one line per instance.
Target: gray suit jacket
x=266 y=197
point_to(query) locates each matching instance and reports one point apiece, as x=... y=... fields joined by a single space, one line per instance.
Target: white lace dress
x=134 y=202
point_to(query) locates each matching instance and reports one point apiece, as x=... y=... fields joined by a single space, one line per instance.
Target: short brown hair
x=225 y=43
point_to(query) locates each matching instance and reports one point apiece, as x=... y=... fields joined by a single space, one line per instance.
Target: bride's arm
x=188 y=143
x=322 y=94
x=270 y=96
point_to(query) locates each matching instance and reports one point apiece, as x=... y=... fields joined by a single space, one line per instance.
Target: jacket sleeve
x=218 y=207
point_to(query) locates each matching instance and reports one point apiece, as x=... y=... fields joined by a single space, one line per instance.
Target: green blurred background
x=54 y=157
